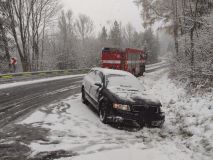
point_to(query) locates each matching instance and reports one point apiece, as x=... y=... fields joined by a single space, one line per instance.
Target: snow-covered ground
x=156 y=65
x=186 y=135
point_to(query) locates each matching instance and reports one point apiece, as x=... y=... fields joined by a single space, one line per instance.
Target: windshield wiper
x=133 y=90
x=126 y=86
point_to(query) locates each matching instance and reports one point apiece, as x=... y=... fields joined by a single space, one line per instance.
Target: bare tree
x=3 y=30
x=84 y=27
x=19 y=13
x=161 y=10
x=28 y=20
x=68 y=37
x=42 y=13
x=129 y=31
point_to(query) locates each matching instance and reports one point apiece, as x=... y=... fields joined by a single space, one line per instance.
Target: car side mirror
x=98 y=84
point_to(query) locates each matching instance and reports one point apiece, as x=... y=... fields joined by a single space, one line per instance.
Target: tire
x=161 y=125
x=141 y=124
x=83 y=98
x=103 y=114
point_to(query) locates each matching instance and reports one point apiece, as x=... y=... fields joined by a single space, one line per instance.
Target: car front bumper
x=154 y=119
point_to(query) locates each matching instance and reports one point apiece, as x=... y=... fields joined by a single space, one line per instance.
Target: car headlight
x=121 y=107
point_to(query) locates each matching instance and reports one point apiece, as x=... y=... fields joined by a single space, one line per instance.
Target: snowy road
x=70 y=130
x=21 y=97
x=17 y=99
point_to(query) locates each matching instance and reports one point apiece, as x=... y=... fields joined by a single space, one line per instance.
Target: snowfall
x=187 y=133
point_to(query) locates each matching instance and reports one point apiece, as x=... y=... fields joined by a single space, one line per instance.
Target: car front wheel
x=141 y=124
x=103 y=114
x=84 y=100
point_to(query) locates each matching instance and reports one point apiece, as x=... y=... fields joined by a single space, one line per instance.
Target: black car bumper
x=155 y=120
x=150 y=119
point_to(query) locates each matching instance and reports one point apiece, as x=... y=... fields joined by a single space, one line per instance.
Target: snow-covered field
x=186 y=135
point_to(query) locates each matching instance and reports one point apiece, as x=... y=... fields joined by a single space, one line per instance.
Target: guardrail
x=45 y=73
x=156 y=66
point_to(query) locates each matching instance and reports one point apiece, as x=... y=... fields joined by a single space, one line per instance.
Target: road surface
x=20 y=100
x=17 y=101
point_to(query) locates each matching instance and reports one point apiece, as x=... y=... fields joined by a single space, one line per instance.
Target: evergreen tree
x=103 y=36
x=152 y=46
x=115 y=35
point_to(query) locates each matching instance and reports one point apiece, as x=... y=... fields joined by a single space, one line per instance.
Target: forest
x=190 y=23
x=44 y=36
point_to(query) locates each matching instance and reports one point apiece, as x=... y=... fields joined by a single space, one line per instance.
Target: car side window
x=91 y=75
x=99 y=77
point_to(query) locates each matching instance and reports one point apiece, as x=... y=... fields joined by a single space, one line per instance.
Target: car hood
x=132 y=96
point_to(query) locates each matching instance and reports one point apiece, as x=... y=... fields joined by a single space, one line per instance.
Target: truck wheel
x=103 y=114
x=83 y=98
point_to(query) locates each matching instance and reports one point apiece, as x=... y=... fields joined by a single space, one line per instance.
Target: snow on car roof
x=107 y=71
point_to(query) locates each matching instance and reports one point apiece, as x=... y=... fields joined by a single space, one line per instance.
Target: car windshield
x=123 y=81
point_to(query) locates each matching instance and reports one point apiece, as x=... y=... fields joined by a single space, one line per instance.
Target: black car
x=119 y=97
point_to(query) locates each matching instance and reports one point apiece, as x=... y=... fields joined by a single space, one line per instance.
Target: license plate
x=156 y=123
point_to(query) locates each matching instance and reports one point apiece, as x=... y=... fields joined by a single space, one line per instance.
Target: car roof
x=107 y=71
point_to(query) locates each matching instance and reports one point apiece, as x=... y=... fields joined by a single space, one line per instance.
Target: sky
x=105 y=12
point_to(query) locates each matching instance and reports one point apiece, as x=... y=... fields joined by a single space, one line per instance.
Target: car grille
x=139 y=108
x=153 y=109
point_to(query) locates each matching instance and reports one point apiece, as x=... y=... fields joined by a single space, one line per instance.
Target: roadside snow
x=186 y=135
x=189 y=117
x=132 y=153
x=16 y=84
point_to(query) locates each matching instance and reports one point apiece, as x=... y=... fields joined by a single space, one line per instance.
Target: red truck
x=131 y=60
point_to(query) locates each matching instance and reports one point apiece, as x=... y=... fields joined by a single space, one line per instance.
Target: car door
x=94 y=92
x=89 y=80
x=99 y=79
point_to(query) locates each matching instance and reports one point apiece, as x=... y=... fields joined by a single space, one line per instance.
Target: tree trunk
x=25 y=64
x=6 y=47
x=192 y=47
x=175 y=12
x=176 y=39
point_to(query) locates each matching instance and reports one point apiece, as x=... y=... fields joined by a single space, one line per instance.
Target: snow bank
x=189 y=117
x=128 y=154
